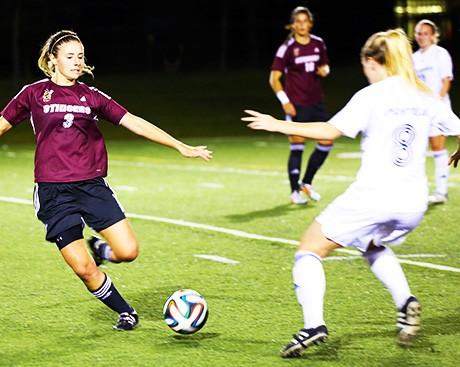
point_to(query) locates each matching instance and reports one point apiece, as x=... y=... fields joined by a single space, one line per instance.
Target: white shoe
x=437 y=198
x=298 y=198
x=310 y=191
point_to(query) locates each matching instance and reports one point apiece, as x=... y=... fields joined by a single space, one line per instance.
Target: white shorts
x=355 y=225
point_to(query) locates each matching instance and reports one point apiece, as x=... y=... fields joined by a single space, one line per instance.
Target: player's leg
x=317 y=158
x=441 y=158
x=120 y=243
x=310 y=286
x=75 y=253
x=315 y=162
x=386 y=267
x=104 y=213
x=296 y=148
x=57 y=206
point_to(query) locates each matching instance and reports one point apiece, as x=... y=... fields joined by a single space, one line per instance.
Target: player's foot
x=437 y=198
x=408 y=321
x=94 y=244
x=127 y=321
x=303 y=339
x=298 y=198
x=309 y=190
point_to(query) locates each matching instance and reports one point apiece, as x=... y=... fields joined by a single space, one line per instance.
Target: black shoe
x=303 y=339
x=408 y=321
x=94 y=244
x=127 y=321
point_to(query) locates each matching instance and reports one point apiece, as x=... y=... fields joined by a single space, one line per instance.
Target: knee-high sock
x=441 y=170
x=315 y=162
x=310 y=287
x=108 y=294
x=387 y=269
x=294 y=164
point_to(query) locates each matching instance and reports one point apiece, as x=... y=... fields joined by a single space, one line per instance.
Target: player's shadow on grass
x=151 y=301
x=326 y=352
x=265 y=213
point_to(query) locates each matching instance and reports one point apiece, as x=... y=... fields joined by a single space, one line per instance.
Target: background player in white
x=71 y=163
x=389 y=197
x=302 y=61
x=433 y=66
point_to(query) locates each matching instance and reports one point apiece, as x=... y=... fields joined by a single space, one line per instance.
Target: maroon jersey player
x=296 y=72
x=71 y=163
x=70 y=146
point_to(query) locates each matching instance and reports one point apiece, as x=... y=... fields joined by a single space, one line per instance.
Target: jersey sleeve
x=18 y=108
x=445 y=121
x=353 y=117
x=324 y=55
x=279 y=59
x=445 y=65
x=109 y=109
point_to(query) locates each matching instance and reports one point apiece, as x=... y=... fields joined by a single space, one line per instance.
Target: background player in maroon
x=71 y=163
x=302 y=61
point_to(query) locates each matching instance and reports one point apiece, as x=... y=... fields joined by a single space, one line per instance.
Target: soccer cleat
x=298 y=198
x=408 y=321
x=437 y=198
x=94 y=244
x=127 y=321
x=303 y=339
x=310 y=191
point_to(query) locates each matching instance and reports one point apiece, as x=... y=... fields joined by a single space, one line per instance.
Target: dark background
x=193 y=66
x=139 y=35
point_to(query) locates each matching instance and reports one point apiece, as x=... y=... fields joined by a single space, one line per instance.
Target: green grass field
x=235 y=207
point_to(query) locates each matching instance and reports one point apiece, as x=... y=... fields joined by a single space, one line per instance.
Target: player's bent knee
x=86 y=270
x=127 y=253
x=131 y=256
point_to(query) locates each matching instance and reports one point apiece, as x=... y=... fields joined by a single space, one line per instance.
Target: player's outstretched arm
x=144 y=128
x=313 y=130
x=4 y=125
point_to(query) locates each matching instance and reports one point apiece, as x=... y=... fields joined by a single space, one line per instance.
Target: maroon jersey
x=70 y=146
x=298 y=63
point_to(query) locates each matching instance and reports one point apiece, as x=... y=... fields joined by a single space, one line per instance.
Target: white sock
x=441 y=170
x=387 y=269
x=310 y=287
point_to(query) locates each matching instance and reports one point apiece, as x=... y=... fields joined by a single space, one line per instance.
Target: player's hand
x=195 y=152
x=289 y=109
x=454 y=158
x=260 y=121
x=323 y=70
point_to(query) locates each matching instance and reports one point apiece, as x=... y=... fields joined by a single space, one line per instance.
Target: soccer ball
x=185 y=311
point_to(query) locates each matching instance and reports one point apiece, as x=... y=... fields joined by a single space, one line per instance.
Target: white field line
x=230 y=170
x=217 y=258
x=242 y=234
x=15 y=200
x=241 y=171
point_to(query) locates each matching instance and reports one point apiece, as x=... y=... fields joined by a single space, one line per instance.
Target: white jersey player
x=395 y=116
x=433 y=65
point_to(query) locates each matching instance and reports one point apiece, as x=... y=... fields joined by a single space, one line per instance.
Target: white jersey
x=432 y=66
x=395 y=121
